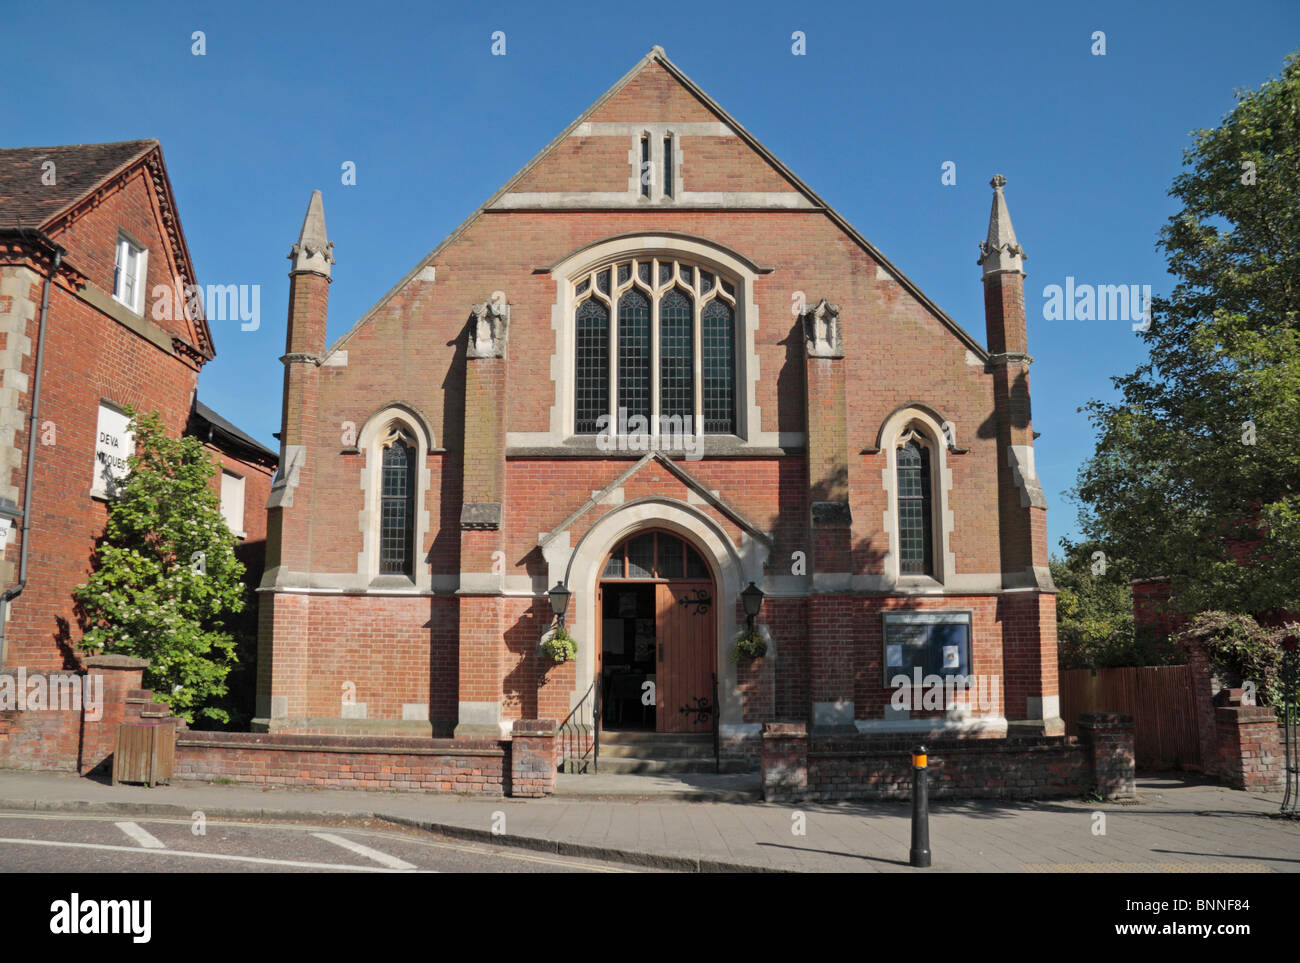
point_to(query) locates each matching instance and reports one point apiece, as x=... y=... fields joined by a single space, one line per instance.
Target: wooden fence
x=1161 y=699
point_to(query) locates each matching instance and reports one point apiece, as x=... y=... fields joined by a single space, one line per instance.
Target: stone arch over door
x=733 y=567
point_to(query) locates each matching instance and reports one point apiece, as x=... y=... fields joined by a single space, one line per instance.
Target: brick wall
x=797 y=767
x=344 y=762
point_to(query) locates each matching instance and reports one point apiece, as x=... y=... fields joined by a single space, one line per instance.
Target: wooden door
x=685 y=637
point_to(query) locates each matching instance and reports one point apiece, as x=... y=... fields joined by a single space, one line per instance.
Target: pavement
x=1175 y=825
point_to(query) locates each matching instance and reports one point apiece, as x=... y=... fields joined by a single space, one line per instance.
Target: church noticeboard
x=113 y=445
x=937 y=643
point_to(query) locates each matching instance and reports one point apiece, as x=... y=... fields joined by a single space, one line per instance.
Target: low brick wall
x=796 y=766
x=36 y=737
x=41 y=736
x=345 y=762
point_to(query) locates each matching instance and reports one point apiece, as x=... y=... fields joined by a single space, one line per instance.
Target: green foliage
x=1196 y=474
x=751 y=645
x=166 y=578
x=1094 y=614
x=1241 y=650
x=560 y=646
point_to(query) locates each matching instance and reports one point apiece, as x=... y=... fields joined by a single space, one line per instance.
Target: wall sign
x=113 y=445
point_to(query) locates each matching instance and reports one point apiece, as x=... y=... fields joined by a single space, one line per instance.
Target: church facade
x=655 y=370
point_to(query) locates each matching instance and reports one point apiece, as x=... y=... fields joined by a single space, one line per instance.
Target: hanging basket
x=750 y=646
x=559 y=646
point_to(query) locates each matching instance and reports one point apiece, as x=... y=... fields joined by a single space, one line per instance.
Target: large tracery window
x=655 y=340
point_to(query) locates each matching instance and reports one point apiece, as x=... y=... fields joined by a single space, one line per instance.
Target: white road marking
x=141 y=835
x=476 y=849
x=392 y=862
x=301 y=864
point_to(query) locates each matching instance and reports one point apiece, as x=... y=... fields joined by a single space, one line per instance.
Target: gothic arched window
x=397 y=505
x=915 y=541
x=671 y=328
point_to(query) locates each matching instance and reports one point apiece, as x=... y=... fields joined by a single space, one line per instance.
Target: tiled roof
x=78 y=168
x=205 y=415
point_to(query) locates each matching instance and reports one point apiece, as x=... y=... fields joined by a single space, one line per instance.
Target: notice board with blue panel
x=937 y=643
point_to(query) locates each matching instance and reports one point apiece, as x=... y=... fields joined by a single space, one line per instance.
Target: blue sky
x=883 y=97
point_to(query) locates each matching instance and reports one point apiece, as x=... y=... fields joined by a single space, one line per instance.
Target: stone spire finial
x=1001 y=252
x=314 y=251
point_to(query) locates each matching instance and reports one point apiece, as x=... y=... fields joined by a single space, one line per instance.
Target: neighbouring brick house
x=655 y=367
x=247 y=468
x=89 y=237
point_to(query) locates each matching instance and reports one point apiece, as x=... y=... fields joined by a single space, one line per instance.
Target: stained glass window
x=645 y=166
x=676 y=380
x=718 y=344
x=634 y=354
x=655 y=555
x=641 y=556
x=397 y=509
x=914 y=548
x=591 y=371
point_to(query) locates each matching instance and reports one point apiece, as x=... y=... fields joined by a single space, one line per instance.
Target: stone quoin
x=861 y=458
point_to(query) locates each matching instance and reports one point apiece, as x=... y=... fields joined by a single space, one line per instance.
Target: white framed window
x=395 y=479
x=654 y=346
x=232 y=502
x=917 y=480
x=129 y=273
x=114 y=444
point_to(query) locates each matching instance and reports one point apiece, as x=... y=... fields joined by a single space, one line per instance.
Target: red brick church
x=654 y=369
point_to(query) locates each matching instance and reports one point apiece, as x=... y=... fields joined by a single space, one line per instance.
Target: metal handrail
x=717 y=727
x=574 y=743
x=1290 y=679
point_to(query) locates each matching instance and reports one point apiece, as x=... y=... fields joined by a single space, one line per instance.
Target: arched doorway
x=658 y=635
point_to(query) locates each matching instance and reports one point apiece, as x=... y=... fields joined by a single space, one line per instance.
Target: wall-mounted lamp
x=559 y=602
x=752 y=600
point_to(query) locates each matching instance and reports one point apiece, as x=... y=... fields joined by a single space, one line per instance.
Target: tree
x=1196 y=474
x=166 y=577
x=1094 y=613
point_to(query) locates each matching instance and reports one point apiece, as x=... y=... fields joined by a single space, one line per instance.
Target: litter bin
x=146 y=752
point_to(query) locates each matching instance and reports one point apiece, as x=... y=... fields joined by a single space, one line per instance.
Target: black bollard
x=920 y=856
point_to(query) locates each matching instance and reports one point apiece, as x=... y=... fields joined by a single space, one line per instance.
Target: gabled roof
x=80 y=171
x=25 y=201
x=657 y=55
x=682 y=475
x=204 y=417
